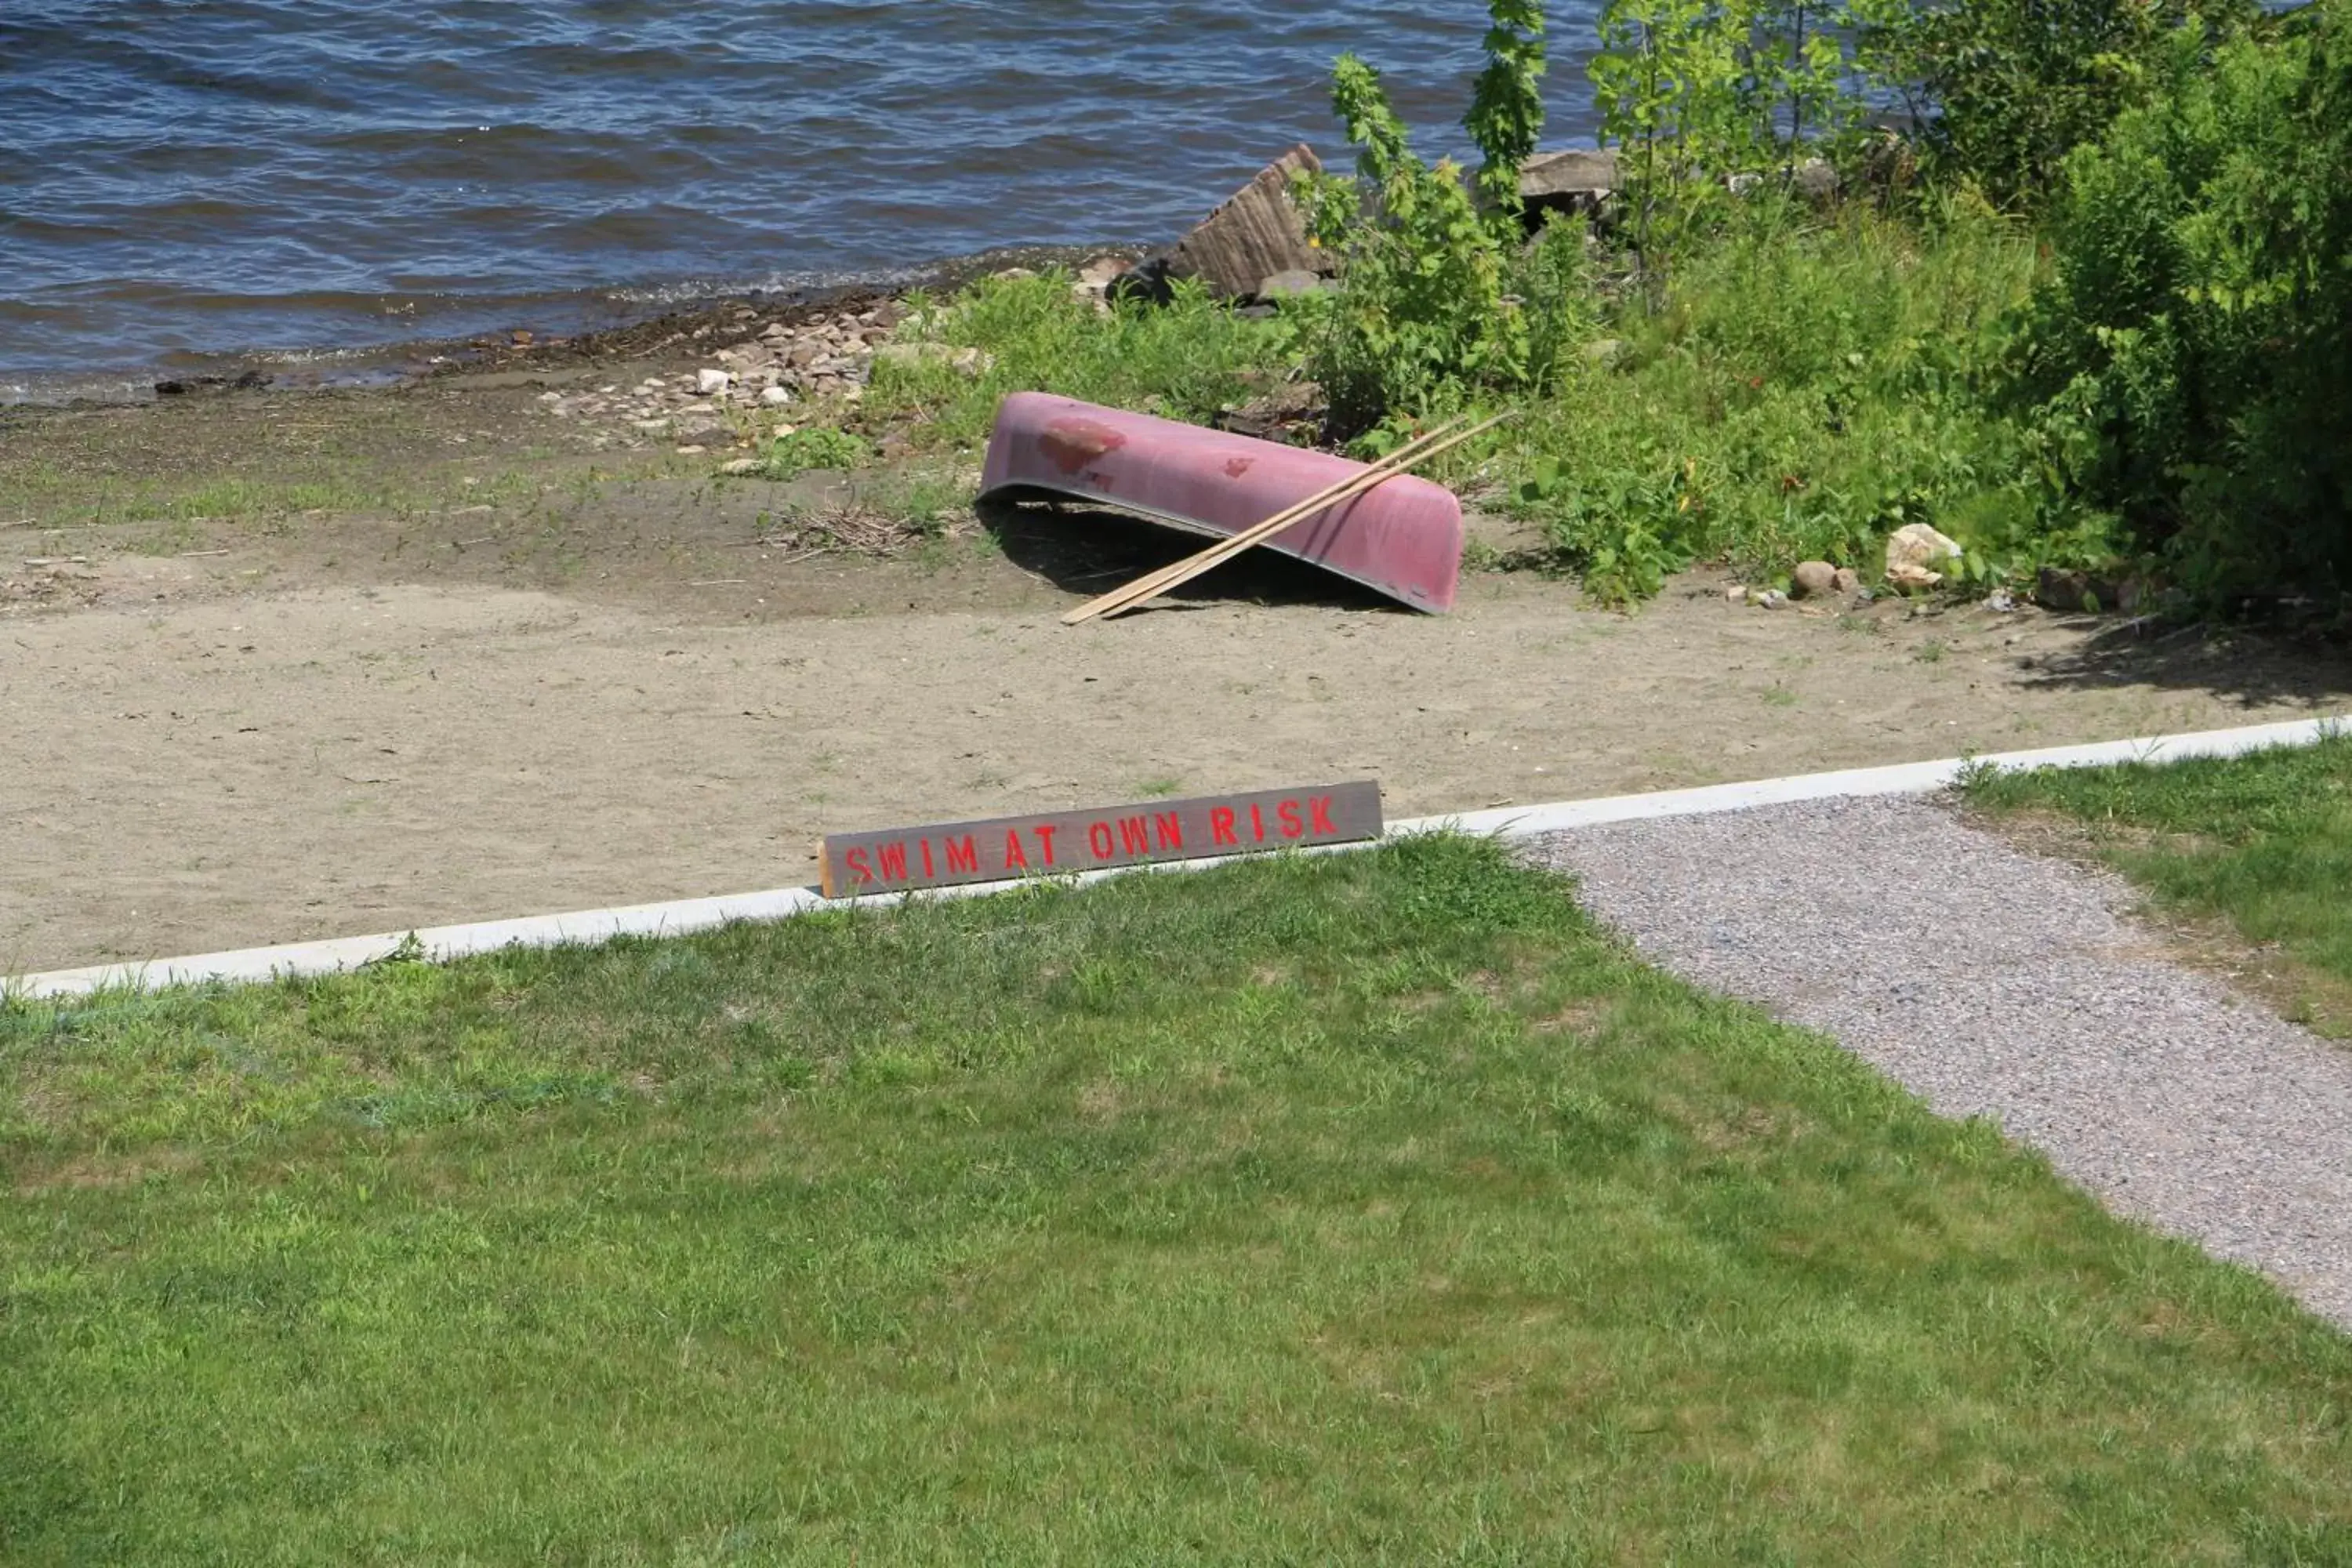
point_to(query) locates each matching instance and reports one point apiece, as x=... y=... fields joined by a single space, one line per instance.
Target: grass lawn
x=2261 y=842
x=1360 y=1208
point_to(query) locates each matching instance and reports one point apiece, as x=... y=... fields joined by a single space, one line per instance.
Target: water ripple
x=323 y=173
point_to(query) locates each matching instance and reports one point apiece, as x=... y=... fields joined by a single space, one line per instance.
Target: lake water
x=183 y=179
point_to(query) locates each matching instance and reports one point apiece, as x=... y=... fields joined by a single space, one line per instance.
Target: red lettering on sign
x=1170 y=826
x=962 y=855
x=1318 y=809
x=1014 y=854
x=1257 y=823
x=1045 y=831
x=892 y=859
x=1099 y=840
x=1292 y=825
x=1221 y=825
x=928 y=872
x=858 y=867
x=1134 y=835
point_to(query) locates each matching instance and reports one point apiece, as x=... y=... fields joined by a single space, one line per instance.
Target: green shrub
x=2005 y=89
x=1426 y=315
x=816 y=446
x=2189 y=360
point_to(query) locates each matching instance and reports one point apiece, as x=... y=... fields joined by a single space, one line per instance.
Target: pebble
x=776 y=397
x=710 y=381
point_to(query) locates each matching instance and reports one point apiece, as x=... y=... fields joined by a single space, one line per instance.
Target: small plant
x=816 y=446
x=1426 y=311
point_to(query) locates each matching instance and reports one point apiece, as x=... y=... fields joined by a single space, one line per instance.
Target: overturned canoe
x=1402 y=538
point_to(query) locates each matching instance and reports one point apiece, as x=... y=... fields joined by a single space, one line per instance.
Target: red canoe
x=1402 y=538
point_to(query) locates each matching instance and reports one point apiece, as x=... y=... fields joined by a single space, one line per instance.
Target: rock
x=1095 y=276
x=691 y=451
x=2000 y=601
x=913 y=356
x=710 y=381
x=2071 y=590
x=1288 y=409
x=1916 y=544
x=1911 y=577
x=651 y=426
x=741 y=466
x=1253 y=234
x=1812 y=580
x=1016 y=274
x=1772 y=599
x=1572 y=180
x=775 y=397
x=1846 y=579
x=1735 y=594
x=1290 y=285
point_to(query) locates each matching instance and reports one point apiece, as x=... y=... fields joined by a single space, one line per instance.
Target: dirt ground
x=275 y=667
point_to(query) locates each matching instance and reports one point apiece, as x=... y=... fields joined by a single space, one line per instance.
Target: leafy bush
x=1425 y=311
x=2190 y=359
x=816 y=446
x=2005 y=89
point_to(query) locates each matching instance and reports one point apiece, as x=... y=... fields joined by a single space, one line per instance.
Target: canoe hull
x=1402 y=538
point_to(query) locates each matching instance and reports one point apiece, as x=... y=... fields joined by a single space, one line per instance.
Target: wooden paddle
x=1151 y=584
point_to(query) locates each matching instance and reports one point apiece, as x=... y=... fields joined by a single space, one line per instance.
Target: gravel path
x=1996 y=983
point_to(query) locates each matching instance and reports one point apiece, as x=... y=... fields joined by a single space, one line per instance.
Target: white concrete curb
x=263 y=964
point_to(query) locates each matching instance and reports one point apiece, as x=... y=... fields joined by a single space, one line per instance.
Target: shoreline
x=614 y=331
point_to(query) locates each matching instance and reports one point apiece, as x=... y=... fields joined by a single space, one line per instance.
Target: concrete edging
x=680 y=916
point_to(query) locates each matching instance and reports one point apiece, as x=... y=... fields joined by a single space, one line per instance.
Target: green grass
x=1366 y=1208
x=2263 y=842
x=1183 y=361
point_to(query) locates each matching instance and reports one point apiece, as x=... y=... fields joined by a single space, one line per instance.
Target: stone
x=740 y=466
x=707 y=382
x=1916 y=544
x=1814 y=180
x=1578 y=180
x=1770 y=599
x=651 y=426
x=913 y=356
x=1016 y=274
x=1256 y=233
x=1095 y=276
x=1286 y=409
x=2000 y=601
x=1290 y=285
x=2071 y=589
x=1735 y=595
x=691 y=451
x=1812 y=580
x=1912 y=577
x=775 y=397
x=1846 y=579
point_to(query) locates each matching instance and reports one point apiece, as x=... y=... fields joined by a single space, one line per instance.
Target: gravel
x=1994 y=983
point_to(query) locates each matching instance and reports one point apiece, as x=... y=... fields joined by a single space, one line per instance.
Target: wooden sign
x=1005 y=849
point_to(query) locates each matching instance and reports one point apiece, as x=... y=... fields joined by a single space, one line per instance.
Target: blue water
x=184 y=178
